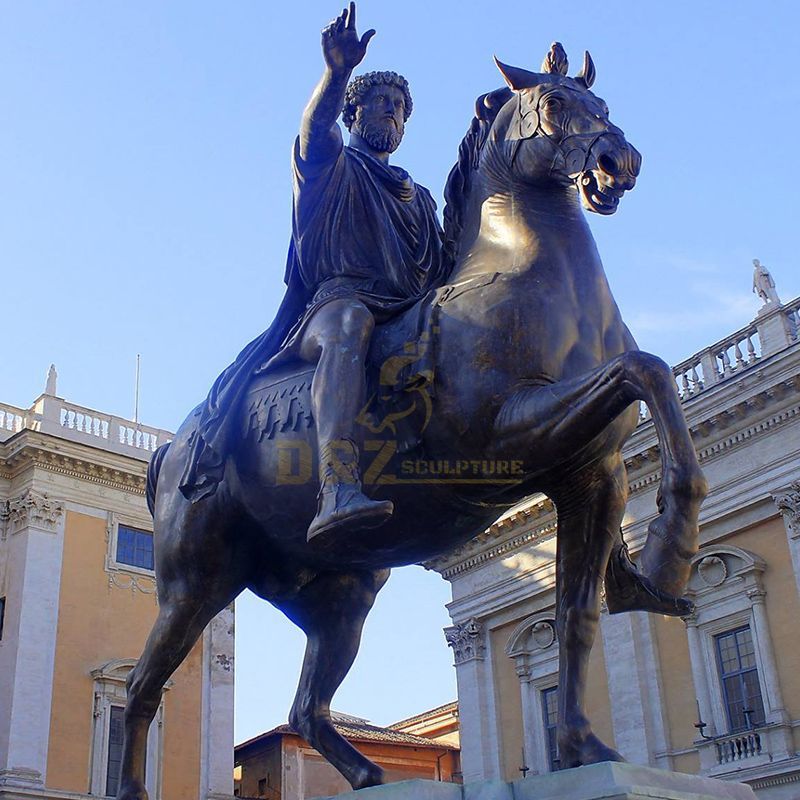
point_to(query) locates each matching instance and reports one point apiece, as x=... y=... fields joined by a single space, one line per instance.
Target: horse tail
x=153 y=468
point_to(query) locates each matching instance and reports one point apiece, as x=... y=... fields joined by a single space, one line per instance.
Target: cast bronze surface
x=534 y=386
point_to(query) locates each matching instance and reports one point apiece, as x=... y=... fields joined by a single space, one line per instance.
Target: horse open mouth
x=597 y=196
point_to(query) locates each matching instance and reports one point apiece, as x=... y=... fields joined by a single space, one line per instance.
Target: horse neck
x=511 y=225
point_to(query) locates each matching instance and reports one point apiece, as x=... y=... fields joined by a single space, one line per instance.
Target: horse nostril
x=608 y=164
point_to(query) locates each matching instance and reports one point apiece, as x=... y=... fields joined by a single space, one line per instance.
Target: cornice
x=476 y=552
x=711 y=450
x=31 y=449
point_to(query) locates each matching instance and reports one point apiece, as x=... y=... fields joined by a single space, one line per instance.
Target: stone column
x=530 y=721
x=788 y=502
x=35 y=543
x=699 y=675
x=216 y=757
x=773 y=705
x=479 y=746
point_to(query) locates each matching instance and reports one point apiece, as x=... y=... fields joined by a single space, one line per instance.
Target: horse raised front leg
x=556 y=421
x=590 y=507
x=331 y=610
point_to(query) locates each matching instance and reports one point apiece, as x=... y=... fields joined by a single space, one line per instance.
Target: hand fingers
x=351 y=16
x=367 y=36
x=340 y=22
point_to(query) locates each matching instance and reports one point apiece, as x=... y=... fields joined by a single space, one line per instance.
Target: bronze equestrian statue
x=504 y=369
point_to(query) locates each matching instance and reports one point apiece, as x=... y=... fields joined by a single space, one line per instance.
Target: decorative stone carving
x=33 y=510
x=467 y=640
x=134 y=583
x=756 y=595
x=712 y=571
x=788 y=502
x=543 y=635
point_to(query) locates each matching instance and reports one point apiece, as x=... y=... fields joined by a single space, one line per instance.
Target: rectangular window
x=550 y=720
x=134 y=547
x=2 y=615
x=115 y=731
x=262 y=787
x=738 y=674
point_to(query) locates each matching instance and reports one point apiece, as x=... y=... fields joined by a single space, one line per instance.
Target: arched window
x=534 y=648
x=109 y=705
x=733 y=662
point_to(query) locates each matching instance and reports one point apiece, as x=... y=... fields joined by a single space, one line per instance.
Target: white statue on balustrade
x=764 y=284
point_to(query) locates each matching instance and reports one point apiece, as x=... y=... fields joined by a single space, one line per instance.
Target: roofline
x=453 y=704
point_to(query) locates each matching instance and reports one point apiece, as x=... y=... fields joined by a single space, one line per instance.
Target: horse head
x=558 y=130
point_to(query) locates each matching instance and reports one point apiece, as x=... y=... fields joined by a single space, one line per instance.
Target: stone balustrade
x=67 y=420
x=739 y=351
x=12 y=420
x=738 y=747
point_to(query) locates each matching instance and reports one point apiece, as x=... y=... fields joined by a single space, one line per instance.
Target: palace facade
x=77 y=600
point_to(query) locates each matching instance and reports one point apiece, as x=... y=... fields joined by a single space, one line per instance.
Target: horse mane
x=459 y=181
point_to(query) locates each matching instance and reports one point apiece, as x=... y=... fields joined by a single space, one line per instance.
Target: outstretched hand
x=341 y=45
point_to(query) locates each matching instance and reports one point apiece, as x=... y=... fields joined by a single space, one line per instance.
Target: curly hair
x=361 y=84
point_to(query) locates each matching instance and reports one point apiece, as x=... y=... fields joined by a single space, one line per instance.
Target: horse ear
x=556 y=60
x=515 y=77
x=588 y=73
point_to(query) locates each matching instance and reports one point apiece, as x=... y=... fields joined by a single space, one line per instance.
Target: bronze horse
x=532 y=367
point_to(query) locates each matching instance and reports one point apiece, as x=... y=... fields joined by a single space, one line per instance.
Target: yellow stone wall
x=679 y=698
x=98 y=623
x=507 y=698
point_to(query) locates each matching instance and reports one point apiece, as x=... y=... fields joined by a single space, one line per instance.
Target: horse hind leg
x=331 y=610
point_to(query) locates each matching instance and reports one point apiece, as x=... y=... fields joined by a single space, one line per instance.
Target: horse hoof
x=587 y=749
x=627 y=589
x=368 y=776
x=132 y=790
x=668 y=552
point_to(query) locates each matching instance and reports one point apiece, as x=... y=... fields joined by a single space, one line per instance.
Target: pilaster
x=35 y=542
x=634 y=687
x=477 y=720
x=216 y=758
x=788 y=502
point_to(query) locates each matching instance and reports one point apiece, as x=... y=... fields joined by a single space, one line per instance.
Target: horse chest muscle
x=546 y=323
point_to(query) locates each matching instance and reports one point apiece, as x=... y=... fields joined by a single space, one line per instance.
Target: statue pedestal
x=607 y=781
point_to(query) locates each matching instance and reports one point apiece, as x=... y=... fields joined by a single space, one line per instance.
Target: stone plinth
x=608 y=781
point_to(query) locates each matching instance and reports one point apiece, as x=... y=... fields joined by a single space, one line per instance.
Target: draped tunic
x=360 y=228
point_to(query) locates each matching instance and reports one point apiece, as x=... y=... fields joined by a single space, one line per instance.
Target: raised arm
x=343 y=50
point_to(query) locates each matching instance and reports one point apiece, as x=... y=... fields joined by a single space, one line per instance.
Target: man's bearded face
x=380 y=118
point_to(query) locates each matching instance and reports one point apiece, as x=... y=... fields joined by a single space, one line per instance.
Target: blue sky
x=145 y=208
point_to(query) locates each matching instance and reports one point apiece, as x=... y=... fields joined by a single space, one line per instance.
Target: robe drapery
x=360 y=228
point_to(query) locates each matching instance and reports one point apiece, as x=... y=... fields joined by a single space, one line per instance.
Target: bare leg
x=331 y=610
x=556 y=421
x=590 y=509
